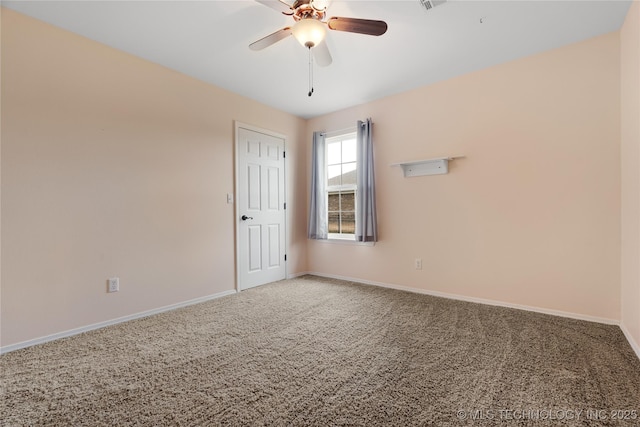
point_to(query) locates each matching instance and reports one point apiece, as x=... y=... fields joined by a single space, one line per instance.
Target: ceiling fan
x=309 y=27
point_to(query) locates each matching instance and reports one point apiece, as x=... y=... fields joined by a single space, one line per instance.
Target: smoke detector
x=430 y=4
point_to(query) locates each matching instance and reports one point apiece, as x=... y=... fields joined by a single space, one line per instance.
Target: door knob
x=244 y=217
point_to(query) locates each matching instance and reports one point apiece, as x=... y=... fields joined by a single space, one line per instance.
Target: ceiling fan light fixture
x=309 y=32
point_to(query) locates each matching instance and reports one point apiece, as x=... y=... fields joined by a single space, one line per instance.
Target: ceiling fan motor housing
x=308 y=9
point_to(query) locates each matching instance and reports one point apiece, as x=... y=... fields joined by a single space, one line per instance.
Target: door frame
x=236 y=194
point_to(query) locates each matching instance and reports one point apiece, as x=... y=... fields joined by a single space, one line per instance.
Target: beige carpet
x=322 y=352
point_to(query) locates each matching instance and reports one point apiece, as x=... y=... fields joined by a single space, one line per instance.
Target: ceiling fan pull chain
x=310 y=72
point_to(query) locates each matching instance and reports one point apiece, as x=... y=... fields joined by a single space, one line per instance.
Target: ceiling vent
x=430 y=4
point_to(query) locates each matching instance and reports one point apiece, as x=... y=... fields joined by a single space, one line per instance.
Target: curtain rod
x=340 y=131
x=330 y=133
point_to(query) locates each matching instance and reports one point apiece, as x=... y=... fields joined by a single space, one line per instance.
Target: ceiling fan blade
x=278 y=5
x=271 y=39
x=354 y=25
x=322 y=55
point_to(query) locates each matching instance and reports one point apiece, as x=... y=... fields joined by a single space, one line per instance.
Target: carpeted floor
x=321 y=352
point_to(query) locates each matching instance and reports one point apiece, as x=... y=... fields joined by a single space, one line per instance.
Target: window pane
x=341 y=174
x=349 y=150
x=333 y=153
x=334 y=202
x=333 y=175
x=349 y=173
x=334 y=222
x=348 y=222
x=348 y=202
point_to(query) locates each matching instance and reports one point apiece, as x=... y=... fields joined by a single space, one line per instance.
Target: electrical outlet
x=113 y=284
x=418 y=264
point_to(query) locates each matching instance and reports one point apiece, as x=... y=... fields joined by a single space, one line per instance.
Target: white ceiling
x=209 y=40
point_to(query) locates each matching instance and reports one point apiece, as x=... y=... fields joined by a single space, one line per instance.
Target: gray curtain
x=366 y=221
x=318 y=204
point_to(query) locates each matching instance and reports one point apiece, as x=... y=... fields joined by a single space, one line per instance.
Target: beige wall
x=630 y=156
x=114 y=166
x=531 y=216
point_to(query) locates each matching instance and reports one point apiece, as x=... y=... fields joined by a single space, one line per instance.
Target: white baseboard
x=76 y=331
x=634 y=345
x=570 y=315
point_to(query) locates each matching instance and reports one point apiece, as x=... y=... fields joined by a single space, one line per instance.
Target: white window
x=341 y=186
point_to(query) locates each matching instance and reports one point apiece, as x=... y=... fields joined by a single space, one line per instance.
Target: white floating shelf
x=435 y=166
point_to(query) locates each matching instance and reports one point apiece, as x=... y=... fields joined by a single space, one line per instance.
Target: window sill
x=345 y=242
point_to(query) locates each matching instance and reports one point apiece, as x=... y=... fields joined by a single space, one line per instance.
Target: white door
x=260 y=207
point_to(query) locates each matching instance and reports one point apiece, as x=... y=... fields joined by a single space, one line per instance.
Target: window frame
x=342 y=188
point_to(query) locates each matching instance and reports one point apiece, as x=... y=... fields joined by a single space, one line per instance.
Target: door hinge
x=285 y=205
x=284 y=154
x=285 y=257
